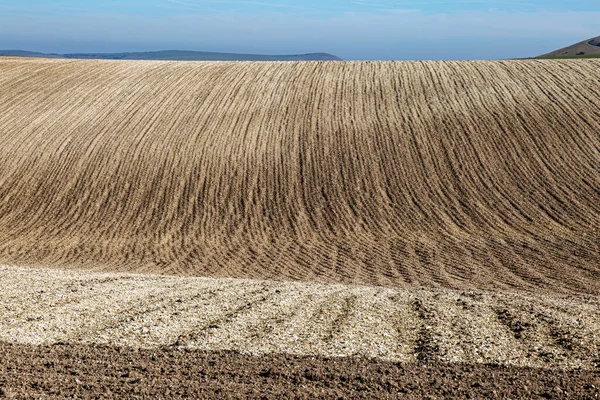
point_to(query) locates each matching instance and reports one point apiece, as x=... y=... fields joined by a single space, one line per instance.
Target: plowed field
x=477 y=174
x=411 y=212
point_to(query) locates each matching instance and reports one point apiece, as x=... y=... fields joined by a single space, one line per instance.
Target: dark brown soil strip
x=82 y=371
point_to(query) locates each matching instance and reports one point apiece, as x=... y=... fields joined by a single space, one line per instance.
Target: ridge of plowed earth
x=40 y=307
x=462 y=175
x=88 y=371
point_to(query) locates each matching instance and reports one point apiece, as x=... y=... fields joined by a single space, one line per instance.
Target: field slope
x=236 y=217
x=445 y=174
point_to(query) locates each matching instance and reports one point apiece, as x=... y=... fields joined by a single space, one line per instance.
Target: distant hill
x=23 y=53
x=587 y=48
x=175 y=55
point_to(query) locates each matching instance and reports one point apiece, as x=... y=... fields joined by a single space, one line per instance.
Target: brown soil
x=476 y=175
x=107 y=372
x=469 y=189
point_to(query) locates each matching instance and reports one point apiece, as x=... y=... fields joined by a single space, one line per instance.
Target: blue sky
x=352 y=29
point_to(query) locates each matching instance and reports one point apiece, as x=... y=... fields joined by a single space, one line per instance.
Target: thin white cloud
x=189 y=6
x=267 y=4
x=394 y=4
x=201 y=5
x=45 y=10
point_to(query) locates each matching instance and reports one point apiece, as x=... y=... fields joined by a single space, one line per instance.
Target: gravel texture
x=264 y=317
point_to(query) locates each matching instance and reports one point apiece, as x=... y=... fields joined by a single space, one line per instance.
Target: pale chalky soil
x=261 y=317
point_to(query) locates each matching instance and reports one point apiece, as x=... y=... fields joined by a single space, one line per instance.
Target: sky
x=351 y=29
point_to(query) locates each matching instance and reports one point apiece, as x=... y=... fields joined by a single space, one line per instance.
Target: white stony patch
x=40 y=306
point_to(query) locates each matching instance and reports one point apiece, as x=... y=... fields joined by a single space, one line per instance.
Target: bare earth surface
x=66 y=333
x=480 y=175
x=321 y=229
x=108 y=372
x=263 y=317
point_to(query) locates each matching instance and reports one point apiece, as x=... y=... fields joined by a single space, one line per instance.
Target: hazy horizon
x=352 y=30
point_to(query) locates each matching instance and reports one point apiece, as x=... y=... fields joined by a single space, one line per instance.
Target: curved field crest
x=447 y=174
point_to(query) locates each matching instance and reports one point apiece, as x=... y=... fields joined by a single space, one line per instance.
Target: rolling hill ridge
x=444 y=174
x=586 y=48
x=353 y=229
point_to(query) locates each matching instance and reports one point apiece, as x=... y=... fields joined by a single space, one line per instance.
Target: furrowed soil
x=424 y=218
x=109 y=372
x=445 y=174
